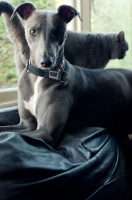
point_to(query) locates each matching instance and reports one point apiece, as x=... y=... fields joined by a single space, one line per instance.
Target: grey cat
x=83 y=49
x=94 y=50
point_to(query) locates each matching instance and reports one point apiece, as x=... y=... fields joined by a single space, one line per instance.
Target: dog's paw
x=130 y=137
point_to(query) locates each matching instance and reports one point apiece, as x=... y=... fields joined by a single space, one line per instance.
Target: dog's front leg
x=27 y=123
x=43 y=134
x=22 y=127
x=13 y=128
x=49 y=134
x=49 y=131
x=51 y=120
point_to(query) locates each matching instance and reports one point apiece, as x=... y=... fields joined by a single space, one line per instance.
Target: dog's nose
x=46 y=62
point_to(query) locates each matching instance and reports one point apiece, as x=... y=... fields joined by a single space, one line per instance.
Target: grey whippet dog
x=54 y=95
x=89 y=50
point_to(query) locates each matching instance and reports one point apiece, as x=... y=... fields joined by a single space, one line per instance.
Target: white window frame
x=8 y=96
x=84 y=7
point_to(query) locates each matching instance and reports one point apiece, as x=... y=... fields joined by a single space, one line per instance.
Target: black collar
x=57 y=73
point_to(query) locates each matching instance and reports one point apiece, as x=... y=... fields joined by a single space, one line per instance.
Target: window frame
x=8 y=97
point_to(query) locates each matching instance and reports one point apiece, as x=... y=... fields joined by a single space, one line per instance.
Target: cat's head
x=120 y=46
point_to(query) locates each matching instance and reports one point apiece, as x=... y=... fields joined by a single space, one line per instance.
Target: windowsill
x=8 y=97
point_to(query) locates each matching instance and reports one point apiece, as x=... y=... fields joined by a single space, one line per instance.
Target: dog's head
x=45 y=32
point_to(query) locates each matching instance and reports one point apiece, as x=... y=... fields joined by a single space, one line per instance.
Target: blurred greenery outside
x=114 y=16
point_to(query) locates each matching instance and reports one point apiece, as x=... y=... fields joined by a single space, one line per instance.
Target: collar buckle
x=54 y=75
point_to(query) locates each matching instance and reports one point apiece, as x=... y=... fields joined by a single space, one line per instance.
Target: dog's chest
x=32 y=103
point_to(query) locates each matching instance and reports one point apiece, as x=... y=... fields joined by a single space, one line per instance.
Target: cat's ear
x=24 y=10
x=121 y=36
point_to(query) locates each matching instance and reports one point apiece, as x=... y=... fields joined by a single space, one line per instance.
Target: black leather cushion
x=88 y=164
x=9 y=116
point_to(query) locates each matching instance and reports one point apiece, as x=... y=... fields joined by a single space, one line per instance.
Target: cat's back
x=80 y=39
x=79 y=47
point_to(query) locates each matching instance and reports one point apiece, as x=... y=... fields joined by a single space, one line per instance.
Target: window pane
x=114 y=16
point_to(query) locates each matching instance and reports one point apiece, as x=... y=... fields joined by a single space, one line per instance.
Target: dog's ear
x=24 y=10
x=67 y=13
x=121 y=36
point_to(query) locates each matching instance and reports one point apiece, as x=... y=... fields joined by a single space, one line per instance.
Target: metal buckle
x=54 y=75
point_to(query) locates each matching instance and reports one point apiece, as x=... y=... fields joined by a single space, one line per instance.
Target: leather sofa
x=88 y=164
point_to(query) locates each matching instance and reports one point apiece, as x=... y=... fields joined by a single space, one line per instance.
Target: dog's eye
x=33 y=32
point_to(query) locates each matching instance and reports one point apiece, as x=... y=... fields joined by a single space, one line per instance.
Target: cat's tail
x=16 y=34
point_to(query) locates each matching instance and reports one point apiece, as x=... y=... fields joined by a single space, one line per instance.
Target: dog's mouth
x=45 y=68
